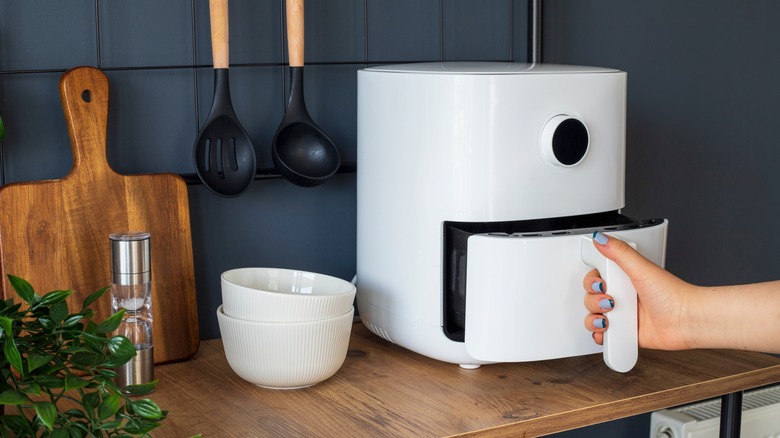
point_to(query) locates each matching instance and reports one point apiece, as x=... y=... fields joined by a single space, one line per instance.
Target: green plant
x=2 y=129
x=57 y=370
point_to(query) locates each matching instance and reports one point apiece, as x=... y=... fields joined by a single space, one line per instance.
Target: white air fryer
x=479 y=188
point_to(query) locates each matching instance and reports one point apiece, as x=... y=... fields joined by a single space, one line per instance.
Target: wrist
x=693 y=318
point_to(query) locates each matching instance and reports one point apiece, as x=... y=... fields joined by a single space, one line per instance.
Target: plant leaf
x=73 y=381
x=106 y=372
x=60 y=433
x=121 y=348
x=94 y=296
x=6 y=324
x=12 y=397
x=109 y=406
x=91 y=399
x=46 y=323
x=35 y=360
x=47 y=412
x=72 y=320
x=31 y=388
x=12 y=355
x=50 y=381
x=110 y=425
x=85 y=359
x=58 y=311
x=55 y=297
x=141 y=426
x=75 y=413
x=22 y=288
x=148 y=409
x=141 y=388
x=2 y=130
x=16 y=423
x=111 y=324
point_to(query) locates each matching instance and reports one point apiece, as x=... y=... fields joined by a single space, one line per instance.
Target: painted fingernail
x=606 y=304
x=600 y=238
x=600 y=323
x=597 y=286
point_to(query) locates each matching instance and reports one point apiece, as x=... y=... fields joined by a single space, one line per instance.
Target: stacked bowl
x=282 y=328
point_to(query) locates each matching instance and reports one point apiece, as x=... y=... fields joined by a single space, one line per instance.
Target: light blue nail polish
x=597 y=286
x=600 y=238
x=600 y=323
x=606 y=303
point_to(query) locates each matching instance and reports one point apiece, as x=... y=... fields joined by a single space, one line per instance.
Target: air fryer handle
x=621 y=342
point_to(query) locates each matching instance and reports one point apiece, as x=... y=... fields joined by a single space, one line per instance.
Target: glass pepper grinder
x=131 y=290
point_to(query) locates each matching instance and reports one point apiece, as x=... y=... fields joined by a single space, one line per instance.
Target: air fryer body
x=497 y=165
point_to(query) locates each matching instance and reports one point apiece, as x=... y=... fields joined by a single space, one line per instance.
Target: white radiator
x=760 y=417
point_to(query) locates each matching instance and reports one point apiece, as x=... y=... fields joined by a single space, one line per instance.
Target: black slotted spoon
x=224 y=155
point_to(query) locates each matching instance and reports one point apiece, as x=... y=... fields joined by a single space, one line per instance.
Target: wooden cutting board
x=54 y=233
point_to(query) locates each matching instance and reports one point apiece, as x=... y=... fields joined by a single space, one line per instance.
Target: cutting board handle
x=84 y=94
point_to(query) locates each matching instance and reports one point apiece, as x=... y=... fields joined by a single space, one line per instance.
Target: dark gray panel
x=404 y=30
x=273 y=224
x=144 y=33
x=47 y=34
x=334 y=31
x=256 y=93
x=151 y=125
x=36 y=144
x=702 y=96
x=520 y=29
x=255 y=31
x=476 y=31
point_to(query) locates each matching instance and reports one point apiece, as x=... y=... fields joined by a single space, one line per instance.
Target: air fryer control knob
x=565 y=141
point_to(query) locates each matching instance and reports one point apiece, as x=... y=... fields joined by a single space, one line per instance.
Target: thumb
x=634 y=264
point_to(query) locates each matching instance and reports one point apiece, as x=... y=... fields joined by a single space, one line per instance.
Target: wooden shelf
x=385 y=390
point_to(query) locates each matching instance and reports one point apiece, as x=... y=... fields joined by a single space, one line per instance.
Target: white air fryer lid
x=486 y=68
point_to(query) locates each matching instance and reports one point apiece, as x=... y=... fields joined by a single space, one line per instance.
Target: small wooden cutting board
x=54 y=233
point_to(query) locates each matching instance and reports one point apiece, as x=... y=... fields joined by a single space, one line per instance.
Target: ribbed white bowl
x=285 y=355
x=284 y=295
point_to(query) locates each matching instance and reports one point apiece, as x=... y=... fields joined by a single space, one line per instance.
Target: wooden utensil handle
x=84 y=95
x=295 y=32
x=220 y=33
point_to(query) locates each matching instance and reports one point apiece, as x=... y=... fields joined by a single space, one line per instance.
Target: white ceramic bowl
x=287 y=355
x=284 y=295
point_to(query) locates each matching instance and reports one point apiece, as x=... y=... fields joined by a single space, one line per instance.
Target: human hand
x=661 y=297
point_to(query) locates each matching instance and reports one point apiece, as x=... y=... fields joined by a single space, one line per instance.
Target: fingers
x=596 y=323
x=626 y=257
x=593 y=282
x=597 y=302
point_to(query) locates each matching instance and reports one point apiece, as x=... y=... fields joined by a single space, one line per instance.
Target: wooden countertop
x=385 y=390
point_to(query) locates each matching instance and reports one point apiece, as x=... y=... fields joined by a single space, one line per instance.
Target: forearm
x=745 y=317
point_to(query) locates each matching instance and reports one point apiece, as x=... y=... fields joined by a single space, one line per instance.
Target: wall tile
x=520 y=30
x=142 y=33
x=255 y=31
x=334 y=31
x=404 y=30
x=47 y=34
x=151 y=125
x=476 y=30
x=36 y=145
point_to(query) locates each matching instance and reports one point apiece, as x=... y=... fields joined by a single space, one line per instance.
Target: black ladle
x=301 y=152
x=224 y=155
